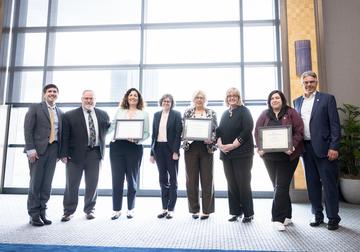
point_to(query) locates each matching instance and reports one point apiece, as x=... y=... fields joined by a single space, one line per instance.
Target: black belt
x=307 y=141
x=89 y=148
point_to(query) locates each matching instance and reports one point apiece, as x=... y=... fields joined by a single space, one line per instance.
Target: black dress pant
x=281 y=173
x=168 y=171
x=41 y=176
x=74 y=171
x=238 y=176
x=125 y=159
x=199 y=164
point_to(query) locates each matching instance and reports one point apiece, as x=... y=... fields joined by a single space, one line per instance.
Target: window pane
x=33 y=13
x=109 y=85
x=30 y=49
x=183 y=82
x=160 y=11
x=192 y=45
x=27 y=86
x=97 y=48
x=259 y=44
x=259 y=82
x=253 y=11
x=97 y=12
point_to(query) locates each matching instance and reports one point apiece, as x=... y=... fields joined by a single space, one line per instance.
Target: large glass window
x=157 y=46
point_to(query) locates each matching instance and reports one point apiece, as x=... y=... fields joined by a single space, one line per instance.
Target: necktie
x=52 y=126
x=92 y=137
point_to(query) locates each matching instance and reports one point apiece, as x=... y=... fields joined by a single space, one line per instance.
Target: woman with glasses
x=281 y=165
x=235 y=141
x=199 y=161
x=165 y=145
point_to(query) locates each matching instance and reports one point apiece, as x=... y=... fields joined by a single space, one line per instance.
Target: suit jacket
x=75 y=134
x=325 y=131
x=173 y=130
x=37 y=127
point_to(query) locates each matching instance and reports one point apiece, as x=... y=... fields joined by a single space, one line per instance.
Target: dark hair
x=171 y=98
x=48 y=86
x=282 y=96
x=125 y=104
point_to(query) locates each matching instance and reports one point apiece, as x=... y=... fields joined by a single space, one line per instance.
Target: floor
x=145 y=230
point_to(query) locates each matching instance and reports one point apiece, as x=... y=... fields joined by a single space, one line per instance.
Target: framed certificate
x=129 y=129
x=275 y=138
x=198 y=129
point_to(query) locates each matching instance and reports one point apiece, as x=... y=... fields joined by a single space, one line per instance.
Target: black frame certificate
x=129 y=129
x=198 y=129
x=275 y=138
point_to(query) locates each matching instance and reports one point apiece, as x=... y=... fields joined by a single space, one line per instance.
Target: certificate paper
x=197 y=129
x=129 y=129
x=275 y=139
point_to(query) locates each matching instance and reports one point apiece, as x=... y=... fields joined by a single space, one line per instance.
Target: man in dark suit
x=84 y=133
x=321 y=139
x=42 y=129
x=165 y=145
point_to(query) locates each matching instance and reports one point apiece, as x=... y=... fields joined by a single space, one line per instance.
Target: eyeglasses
x=309 y=82
x=166 y=101
x=232 y=96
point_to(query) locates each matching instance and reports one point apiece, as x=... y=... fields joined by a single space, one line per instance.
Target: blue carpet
x=61 y=248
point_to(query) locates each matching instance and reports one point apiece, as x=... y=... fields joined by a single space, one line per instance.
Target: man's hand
x=33 y=157
x=332 y=155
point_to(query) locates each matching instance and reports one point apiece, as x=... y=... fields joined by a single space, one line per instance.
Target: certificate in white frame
x=275 y=138
x=197 y=129
x=129 y=129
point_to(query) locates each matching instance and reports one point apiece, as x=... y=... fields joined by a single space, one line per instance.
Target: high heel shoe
x=116 y=215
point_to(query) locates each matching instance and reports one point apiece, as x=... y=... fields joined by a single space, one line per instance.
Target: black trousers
x=125 y=159
x=199 y=163
x=74 y=172
x=168 y=171
x=322 y=175
x=238 y=176
x=41 y=176
x=281 y=173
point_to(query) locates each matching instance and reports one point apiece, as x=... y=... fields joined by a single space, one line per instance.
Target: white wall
x=342 y=49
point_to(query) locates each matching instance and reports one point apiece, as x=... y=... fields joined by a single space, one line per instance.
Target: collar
x=311 y=96
x=51 y=107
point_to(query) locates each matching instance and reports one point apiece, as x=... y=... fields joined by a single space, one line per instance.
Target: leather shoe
x=45 y=220
x=90 y=216
x=234 y=218
x=162 y=215
x=204 y=216
x=195 y=216
x=36 y=221
x=247 y=219
x=316 y=222
x=66 y=217
x=332 y=225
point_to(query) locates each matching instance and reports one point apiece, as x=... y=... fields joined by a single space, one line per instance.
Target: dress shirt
x=162 y=134
x=306 y=109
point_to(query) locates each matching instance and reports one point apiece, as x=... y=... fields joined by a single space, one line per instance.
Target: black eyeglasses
x=309 y=82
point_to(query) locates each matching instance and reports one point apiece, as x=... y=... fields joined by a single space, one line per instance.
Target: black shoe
x=234 y=218
x=332 y=225
x=316 y=222
x=162 y=215
x=45 y=220
x=90 y=216
x=169 y=215
x=36 y=221
x=204 y=217
x=195 y=216
x=247 y=219
x=66 y=217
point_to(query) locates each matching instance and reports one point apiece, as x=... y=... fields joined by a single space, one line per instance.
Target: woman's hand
x=152 y=159
x=175 y=156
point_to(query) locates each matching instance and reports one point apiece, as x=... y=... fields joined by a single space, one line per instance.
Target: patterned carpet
x=145 y=232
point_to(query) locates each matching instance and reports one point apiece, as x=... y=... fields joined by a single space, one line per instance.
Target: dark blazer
x=75 y=135
x=37 y=127
x=325 y=129
x=173 y=130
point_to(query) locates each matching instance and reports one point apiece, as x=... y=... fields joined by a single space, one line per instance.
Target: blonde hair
x=233 y=91
x=199 y=92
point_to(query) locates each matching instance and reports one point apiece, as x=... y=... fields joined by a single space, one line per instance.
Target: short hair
x=48 y=86
x=308 y=73
x=282 y=97
x=88 y=90
x=171 y=98
x=233 y=90
x=125 y=104
x=199 y=92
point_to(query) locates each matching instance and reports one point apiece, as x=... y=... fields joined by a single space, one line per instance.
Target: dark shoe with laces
x=247 y=219
x=45 y=220
x=316 y=222
x=36 y=221
x=332 y=225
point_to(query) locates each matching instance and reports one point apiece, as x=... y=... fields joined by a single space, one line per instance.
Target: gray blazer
x=37 y=127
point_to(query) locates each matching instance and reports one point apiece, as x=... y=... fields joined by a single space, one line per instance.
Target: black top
x=237 y=124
